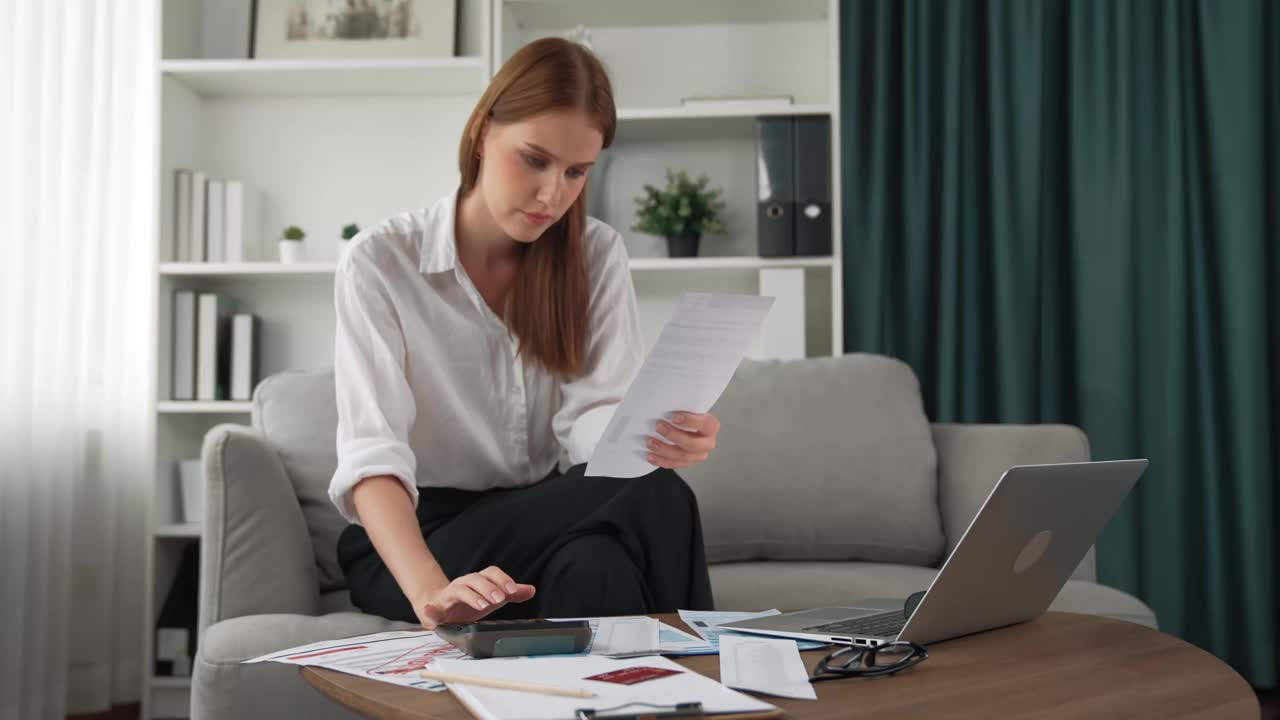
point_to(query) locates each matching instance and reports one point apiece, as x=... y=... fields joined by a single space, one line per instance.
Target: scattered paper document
x=678 y=642
x=688 y=368
x=767 y=665
x=707 y=624
x=625 y=636
x=393 y=657
x=632 y=686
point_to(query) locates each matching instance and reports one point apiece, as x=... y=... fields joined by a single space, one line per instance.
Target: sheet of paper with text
x=692 y=362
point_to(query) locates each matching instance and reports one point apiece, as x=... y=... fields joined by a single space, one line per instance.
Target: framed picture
x=353 y=28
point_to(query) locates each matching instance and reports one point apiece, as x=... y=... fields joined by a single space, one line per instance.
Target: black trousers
x=591 y=546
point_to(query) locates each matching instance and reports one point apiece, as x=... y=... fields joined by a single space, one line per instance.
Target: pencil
x=505 y=684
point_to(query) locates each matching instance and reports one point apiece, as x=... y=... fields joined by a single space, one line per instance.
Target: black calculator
x=518 y=638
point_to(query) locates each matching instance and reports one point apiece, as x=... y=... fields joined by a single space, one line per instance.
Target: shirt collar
x=440 y=249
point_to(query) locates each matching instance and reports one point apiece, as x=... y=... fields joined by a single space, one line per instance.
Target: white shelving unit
x=178 y=530
x=326 y=142
x=329 y=142
x=660 y=52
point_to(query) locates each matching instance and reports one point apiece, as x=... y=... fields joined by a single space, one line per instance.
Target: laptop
x=1019 y=550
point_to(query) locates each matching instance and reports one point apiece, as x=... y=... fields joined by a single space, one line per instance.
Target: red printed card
x=633 y=675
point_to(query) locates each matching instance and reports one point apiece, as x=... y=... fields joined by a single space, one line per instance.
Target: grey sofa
x=829 y=484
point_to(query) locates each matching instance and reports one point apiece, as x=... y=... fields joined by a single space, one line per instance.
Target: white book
x=191 y=489
x=184 y=345
x=244 y=355
x=215 y=240
x=783 y=335
x=198 y=183
x=182 y=215
x=224 y=28
x=212 y=346
x=243 y=223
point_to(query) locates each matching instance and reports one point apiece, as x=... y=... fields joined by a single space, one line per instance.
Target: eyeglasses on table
x=888 y=658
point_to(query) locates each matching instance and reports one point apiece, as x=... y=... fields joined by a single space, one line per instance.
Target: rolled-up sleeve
x=375 y=403
x=614 y=353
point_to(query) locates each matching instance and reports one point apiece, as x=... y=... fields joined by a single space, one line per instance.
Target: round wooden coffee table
x=1062 y=665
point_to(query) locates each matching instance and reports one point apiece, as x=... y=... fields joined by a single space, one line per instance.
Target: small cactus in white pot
x=290 y=244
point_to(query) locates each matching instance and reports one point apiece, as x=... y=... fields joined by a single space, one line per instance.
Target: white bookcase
x=661 y=51
x=327 y=142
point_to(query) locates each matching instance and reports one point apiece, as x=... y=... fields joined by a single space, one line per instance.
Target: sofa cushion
x=337 y=601
x=821 y=459
x=249 y=636
x=298 y=414
x=973 y=458
x=791 y=586
x=223 y=688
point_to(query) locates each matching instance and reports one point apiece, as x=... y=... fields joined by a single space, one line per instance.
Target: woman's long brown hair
x=546 y=307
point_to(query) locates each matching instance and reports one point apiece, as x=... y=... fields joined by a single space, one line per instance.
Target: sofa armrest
x=256 y=555
x=971 y=459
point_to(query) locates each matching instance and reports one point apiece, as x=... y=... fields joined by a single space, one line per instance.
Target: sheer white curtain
x=77 y=248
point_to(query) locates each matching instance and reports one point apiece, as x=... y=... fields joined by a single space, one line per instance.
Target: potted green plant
x=349 y=231
x=680 y=212
x=290 y=244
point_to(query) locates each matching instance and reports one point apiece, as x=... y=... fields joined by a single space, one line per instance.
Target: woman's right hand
x=470 y=598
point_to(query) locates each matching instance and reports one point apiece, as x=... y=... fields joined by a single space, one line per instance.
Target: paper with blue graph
x=707 y=624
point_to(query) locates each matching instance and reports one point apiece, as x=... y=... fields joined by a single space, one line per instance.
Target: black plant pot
x=683 y=244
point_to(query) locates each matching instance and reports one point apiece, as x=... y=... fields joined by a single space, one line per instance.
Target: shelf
x=179 y=530
x=559 y=14
x=726 y=263
x=167 y=681
x=205 y=269
x=170 y=697
x=637 y=264
x=393 y=76
x=205 y=406
x=726 y=110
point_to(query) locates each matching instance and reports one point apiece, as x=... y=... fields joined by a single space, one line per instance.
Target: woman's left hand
x=687 y=440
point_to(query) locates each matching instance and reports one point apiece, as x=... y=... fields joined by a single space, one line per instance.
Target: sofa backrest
x=821 y=459
x=297 y=412
x=818 y=459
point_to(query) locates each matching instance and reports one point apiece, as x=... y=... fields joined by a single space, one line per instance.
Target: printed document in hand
x=630 y=686
x=689 y=367
x=766 y=665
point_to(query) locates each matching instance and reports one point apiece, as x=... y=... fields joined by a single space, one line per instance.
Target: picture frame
x=333 y=29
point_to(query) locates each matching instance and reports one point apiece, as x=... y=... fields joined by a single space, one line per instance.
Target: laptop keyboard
x=887 y=624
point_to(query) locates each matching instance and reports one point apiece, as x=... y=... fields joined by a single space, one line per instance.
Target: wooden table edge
x=324 y=680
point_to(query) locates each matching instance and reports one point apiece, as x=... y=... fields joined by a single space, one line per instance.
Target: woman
x=482 y=344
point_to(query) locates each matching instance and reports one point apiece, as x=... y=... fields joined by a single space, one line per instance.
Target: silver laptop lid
x=1021 y=547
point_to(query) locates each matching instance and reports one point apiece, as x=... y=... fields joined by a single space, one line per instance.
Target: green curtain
x=1070 y=212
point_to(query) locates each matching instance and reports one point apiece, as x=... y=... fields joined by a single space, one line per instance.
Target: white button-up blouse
x=429 y=386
